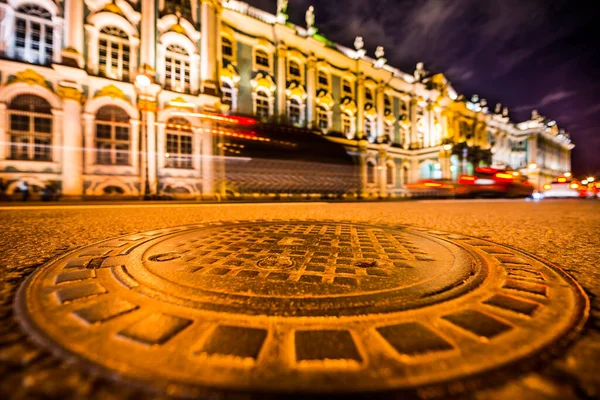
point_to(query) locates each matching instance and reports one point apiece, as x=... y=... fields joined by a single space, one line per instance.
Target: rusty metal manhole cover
x=298 y=306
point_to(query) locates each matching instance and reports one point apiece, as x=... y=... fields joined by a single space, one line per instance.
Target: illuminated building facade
x=105 y=97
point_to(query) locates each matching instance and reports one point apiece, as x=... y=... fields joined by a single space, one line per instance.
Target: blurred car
x=562 y=188
x=492 y=182
x=431 y=188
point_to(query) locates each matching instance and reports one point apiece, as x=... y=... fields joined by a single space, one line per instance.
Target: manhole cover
x=298 y=306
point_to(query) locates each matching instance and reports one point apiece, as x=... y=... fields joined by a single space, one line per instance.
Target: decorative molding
x=348 y=106
x=113 y=92
x=30 y=77
x=325 y=99
x=297 y=91
x=230 y=75
x=147 y=105
x=262 y=81
x=70 y=93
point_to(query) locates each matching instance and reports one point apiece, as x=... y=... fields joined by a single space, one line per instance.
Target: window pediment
x=120 y=7
x=348 y=106
x=230 y=75
x=262 y=81
x=183 y=26
x=296 y=91
x=325 y=99
x=103 y=18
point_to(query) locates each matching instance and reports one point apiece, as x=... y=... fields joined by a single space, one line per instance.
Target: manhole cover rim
x=579 y=315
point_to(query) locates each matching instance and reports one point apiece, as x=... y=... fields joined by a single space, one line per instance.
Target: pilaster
x=72 y=143
x=311 y=90
x=281 y=80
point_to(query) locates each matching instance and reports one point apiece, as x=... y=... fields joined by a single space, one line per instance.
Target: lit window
x=182 y=6
x=389 y=131
x=227 y=91
x=262 y=59
x=177 y=69
x=112 y=136
x=322 y=118
x=370 y=172
x=113 y=53
x=294 y=111
x=346 y=124
x=347 y=88
x=294 y=70
x=34 y=34
x=387 y=103
x=179 y=143
x=262 y=105
x=323 y=81
x=227 y=49
x=30 y=124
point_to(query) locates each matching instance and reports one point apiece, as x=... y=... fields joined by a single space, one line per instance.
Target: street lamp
x=568 y=174
x=591 y=179
x=142 y=82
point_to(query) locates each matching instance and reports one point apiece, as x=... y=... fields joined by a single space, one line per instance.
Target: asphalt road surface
x=564 y=233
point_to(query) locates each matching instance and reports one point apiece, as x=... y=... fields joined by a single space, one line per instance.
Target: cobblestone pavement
x=565 y=233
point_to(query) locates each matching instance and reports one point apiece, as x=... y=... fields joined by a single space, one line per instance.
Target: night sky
x=524 y=54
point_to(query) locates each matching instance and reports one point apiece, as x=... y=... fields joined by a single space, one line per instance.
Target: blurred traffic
x=504 y=183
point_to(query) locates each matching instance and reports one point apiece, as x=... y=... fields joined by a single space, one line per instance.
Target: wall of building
x=389 y=121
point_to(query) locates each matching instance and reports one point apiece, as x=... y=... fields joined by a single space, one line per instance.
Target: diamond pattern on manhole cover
x=298 y=306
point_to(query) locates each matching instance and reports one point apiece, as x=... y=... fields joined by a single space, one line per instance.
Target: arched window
x=30 y=125
x=34 y=34
x=112 y=136
x=390 y=174
x=346 y=125
x=323 y=81
x=262 y=59
x=387 y=104
x=294 y=70
x=347 y=88
x=226 y=49
x=262 y=104
x=322 y=118
x=404 y=109
x=113 y=53
x=368 y=95
x=370 y=172
x=177 y=69
x=227 y=91
x=179 y=143
x=294 y=111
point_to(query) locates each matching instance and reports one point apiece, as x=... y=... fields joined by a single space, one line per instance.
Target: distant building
x=105 y=97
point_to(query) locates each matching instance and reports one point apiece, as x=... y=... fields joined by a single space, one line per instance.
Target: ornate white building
x=107 y=97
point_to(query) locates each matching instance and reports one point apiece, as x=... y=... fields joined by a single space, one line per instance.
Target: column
x=360 y=104
x=72 y=159
x=3 y=136
x=413 y=120
x=7 y=21
x=311 y=91
x=152 y=161
x=208 y=47
x=380 y=111
x=281 y=80
x=382 y=171
x=89 y=144
x=92 y=46
x=209 y=162
x=74 y=21
x=148 y=35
